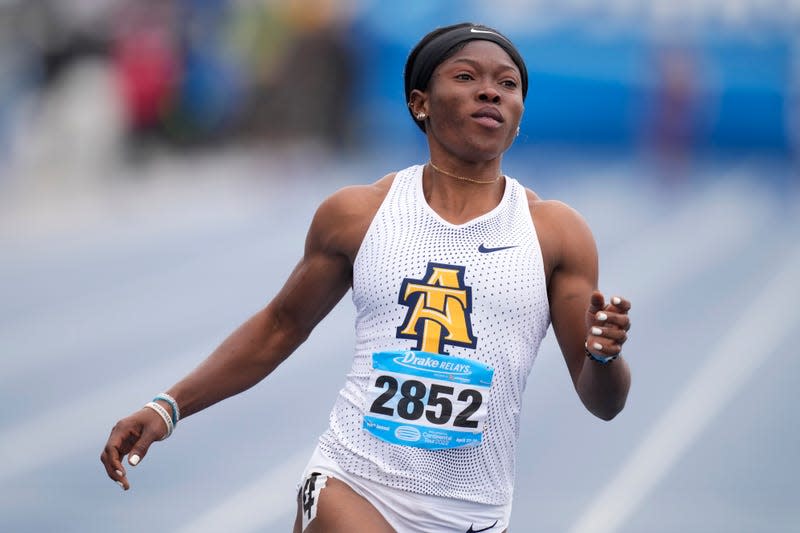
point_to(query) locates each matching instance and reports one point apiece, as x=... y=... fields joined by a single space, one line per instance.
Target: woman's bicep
x=573 y=279
x=317 y=283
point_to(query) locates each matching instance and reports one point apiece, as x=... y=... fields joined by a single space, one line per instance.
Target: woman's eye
x=511 y=84
x=463 y=76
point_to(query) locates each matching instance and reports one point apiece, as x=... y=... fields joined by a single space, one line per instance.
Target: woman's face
x=474 y=102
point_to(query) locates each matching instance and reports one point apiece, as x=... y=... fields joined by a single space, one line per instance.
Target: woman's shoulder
x=342 y=219
x=558 y=225
x=557 y=210
x=359 y=198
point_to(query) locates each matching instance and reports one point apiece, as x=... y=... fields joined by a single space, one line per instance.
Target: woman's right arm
x=258 y=346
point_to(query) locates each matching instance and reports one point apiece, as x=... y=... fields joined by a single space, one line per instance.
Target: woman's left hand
x=607 y=324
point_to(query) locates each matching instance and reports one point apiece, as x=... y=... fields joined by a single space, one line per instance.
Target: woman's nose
x=489 y=94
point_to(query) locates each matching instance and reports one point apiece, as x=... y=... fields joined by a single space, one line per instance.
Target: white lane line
x=37 y=340
x=82 y=423
x=705 y=232
x=258 y=506
x=757 y=334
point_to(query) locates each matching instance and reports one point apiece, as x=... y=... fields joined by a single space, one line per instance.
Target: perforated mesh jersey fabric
x=509 y=317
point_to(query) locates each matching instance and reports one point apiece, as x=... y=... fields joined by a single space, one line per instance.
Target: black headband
x=421 y=65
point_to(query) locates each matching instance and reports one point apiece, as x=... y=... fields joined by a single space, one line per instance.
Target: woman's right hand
x=131 y=436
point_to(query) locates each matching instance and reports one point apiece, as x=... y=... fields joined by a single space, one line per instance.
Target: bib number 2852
x=412 y=404
x=427 y=400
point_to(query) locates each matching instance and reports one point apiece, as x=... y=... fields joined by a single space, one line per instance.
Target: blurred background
x=160 y=161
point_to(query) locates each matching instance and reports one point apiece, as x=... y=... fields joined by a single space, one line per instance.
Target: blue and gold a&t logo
x=439 y=309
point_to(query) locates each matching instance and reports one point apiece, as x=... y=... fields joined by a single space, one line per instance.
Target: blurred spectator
x=66 y=115
x=793 y=110
x=147 y=64
x=207 y=97
x=307 y=92
x=199 y=71
x=672 y=125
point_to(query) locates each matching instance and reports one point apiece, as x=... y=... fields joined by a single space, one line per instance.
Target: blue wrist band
x=176 y=412
x=599 y=358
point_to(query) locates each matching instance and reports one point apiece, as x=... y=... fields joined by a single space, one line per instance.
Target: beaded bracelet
x=176 y=412
x=164 y=416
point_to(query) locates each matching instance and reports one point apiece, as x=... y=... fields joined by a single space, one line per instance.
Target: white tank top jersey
x=449 y=322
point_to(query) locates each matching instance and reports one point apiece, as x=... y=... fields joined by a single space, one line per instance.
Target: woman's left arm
x=590 y=330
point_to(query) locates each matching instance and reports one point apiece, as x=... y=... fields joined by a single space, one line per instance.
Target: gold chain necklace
x=463 y=178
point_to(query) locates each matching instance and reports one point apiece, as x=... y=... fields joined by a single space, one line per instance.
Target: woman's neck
x=459 y=201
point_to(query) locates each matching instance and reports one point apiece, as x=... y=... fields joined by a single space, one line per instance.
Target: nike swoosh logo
x=473 y=30
x=484 y=250
x=471 y=530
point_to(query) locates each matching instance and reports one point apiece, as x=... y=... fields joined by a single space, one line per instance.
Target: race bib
x=427 y=400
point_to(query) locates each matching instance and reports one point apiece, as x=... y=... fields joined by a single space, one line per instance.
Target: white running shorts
x=406 y=512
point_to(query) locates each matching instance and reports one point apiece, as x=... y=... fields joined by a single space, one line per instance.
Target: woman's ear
x=418 y=104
